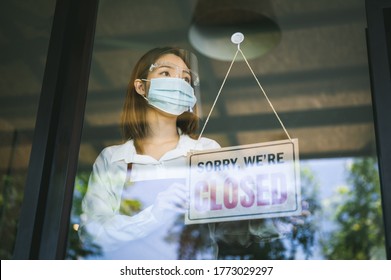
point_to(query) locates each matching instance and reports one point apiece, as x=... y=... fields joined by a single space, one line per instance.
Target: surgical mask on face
x=171 y=95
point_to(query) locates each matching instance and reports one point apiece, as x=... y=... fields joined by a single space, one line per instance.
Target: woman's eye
x=187 y=80
x=165 y=74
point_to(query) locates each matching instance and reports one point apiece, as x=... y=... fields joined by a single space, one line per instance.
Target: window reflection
x=322 y=95
x=344 y=221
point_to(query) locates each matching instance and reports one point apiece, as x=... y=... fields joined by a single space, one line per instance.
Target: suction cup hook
x=237 y=38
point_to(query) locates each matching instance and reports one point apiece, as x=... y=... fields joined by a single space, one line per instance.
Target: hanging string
x=260 y=86
x=217 y=96
x=264 y=93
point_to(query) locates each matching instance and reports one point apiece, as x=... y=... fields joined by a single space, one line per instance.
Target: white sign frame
x=231 y=184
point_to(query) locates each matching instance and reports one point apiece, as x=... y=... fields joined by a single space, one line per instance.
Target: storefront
x=325 y=66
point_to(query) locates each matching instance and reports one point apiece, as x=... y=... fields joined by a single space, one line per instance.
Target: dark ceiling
x=316 y=76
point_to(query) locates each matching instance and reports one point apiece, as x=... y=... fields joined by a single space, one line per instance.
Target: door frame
x=379 y=57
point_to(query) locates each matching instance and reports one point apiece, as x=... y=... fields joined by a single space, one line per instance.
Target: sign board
x=244 y=182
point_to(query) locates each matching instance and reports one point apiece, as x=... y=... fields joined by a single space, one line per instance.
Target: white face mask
x=171 y=95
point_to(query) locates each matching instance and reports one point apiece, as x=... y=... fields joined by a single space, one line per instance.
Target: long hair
x=133 y=120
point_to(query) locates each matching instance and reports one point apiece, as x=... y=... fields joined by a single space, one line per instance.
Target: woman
x=137 y=196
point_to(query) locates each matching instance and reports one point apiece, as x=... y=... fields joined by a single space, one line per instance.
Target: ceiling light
x=213 y=25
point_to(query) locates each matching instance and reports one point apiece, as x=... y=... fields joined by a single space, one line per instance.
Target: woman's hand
x=174 y=200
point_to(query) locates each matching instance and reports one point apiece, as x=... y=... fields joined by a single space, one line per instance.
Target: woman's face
x=170 y=66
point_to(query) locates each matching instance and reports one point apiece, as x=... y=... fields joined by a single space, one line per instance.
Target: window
x=25 y=36
x=316 y=76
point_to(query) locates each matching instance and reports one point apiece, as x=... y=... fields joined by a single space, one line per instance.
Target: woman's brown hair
x=133 y=121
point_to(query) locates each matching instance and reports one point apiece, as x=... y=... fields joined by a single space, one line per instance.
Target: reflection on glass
x=273 y=238
x=357 y=215
x=341 y=219
x=325 y=95
x=76 y=248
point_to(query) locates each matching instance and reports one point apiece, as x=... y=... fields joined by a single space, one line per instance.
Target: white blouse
x=140 y=235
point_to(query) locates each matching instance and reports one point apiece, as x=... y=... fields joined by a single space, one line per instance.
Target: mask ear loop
x=237 y=38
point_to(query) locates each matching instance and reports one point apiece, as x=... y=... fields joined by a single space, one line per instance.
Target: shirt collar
x=124 y=152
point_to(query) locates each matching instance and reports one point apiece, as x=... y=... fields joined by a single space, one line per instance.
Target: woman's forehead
x=172 y=58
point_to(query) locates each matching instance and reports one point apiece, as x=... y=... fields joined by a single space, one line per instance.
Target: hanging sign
x=244 y=182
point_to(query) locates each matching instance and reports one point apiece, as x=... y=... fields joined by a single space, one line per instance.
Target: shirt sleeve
x=101 y=221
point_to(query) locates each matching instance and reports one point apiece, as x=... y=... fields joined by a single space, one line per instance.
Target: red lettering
x=200 y=200
x=230 y=190
x=279 y=192
x=213 y=197
x=246 y=184
x=262 y=190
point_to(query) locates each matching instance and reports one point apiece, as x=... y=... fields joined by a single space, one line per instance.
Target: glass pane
x=311 y=60
x=24 y=38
